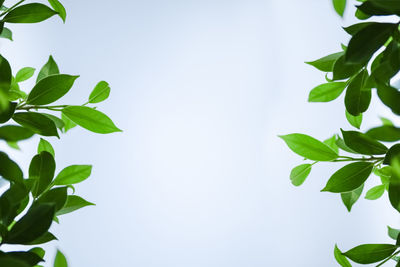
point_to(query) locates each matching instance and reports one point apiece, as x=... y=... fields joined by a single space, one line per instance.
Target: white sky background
x=199 y=177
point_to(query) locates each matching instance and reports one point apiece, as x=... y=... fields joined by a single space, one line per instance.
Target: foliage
x=369 y=62
x=33 y=201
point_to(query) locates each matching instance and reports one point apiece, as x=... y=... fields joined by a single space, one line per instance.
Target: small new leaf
x=100 y=92
x=299 y=174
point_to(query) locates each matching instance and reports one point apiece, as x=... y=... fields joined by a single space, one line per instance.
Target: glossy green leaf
x=357 y=98
x=36 y=122
x=50 y=89
x=375 y=192
x=299 y=174
x=367 y=41
x=350 y=198
x=363 y=144
x=370 y=253
x=42 y=170
x=58 y=7
x=393 y=152
x=100 y=92
x=6 y=33
x=29 y=13
x=353 y=29
x=393 y=233
x=73 y=174
x=394 y=194
x=73 y=203
x=339 y=6
x=24 y=74
x=68 y=124
x=57 y=121
x=14 y=133
x=5 y=77
x=349 y=177
x=309 y=147
x=50 y=68
x=45 y=146
x=355 y=121
x=390 y=97
x=340 y=258
x=331 y=142
x=90 y=119
x=45 y=238
x=56 y=196
x=343 y=69
x=326 y=63
x=60 y=260
x=326 y=92
x=385 y=133
x=32 y=225
x=7 y=112
x=9 y=170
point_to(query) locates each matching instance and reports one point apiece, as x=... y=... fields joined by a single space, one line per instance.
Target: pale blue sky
x=201 y=89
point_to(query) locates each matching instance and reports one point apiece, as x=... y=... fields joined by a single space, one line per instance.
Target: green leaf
x=326 y=92
x=340 y=143
x=58 y=7
x=5 y=77
x=340 y=6
x=394 y=194
x=42 y=170
x=11 y=262
x=13 y=202
x=36 y=122
x=309 y=147
x=6 y=34
x=73 y=174
x=331 y=142
x=367 y=41
x=370 y=253
x=385 y=133
x=45 y=238
x=50 y=89
x=73 y=203
x=32 y=225
x=57 y=121
x=340 y=258
x=354 y=120
x=326 y=63
x=68 y=124
x=10 y=170
x=386 y=121
x=380 y=7
x=24 y=74
x=349 y=177
x=45 y=146
x=14 y=133
x=28 y=257
x=299 y=174
x=393 y=233
x=50 y=68
x=390 y=97
x=90 y=119
x=350 y=198
x=56 y=196
x=60 y=260
x=29 y=13
x=357 y=99
x=363 y=144
x=353 y=29
x=375 y=192
x=393 y=152
x=100 y=92
x=7 y=112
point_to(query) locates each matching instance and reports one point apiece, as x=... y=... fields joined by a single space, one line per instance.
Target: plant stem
x=11 y=8
x=383 y=262
x=357 y=159
x=42 y=107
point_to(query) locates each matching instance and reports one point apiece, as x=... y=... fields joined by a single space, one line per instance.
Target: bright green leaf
x=58 y=7
x=29 y=13
x=350 y=198
x=45 y=146
x=24 y=74
x=299 y=174
x=326 y=92
x=354 y=120
x=375 y=192
x=73 y=174
x=370 y=253
x=60 y=260
x=326 y=63
x=50 y=68
x=73 y=203
x=340 y=258
x=100 y=92
x=340 y=6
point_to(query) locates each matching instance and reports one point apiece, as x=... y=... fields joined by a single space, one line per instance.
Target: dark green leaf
x=5 y=77
x=353 y=29
x=309 y=147
x=11 y=262
x=58 y=7
x=340 y=143
x=29 y=13
x=36 y=122
x=390 y=97
x=14 y=133
x=10 y=170
x=56 y=196
x=349 y=177
x=394 y=194
x=50 y=68
x=6 y=34
x=385 y=133
x=340 y=258
x=73 y=203
x=380 y=7
x=50 y=89
x=354 y=120
x=45 y=146
x=42 y=169
x=393 y=152
x=375 y=192
x=45 y=238
x=13 y=202
x=57 y=121
x=24 y=74
x=367 y=41
x=60 y=260
x=370 y=253
x=28 y=257
x=7 y=112
x=363 y=144
x=73 y=174
x=326 y=63
x=357 y=97
x=326 y=92
x=32 y=225
x=343 y=69
x=350 y=198
x=100 y=92
x=90 y=119
x=299 y=174
x=340 y=6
